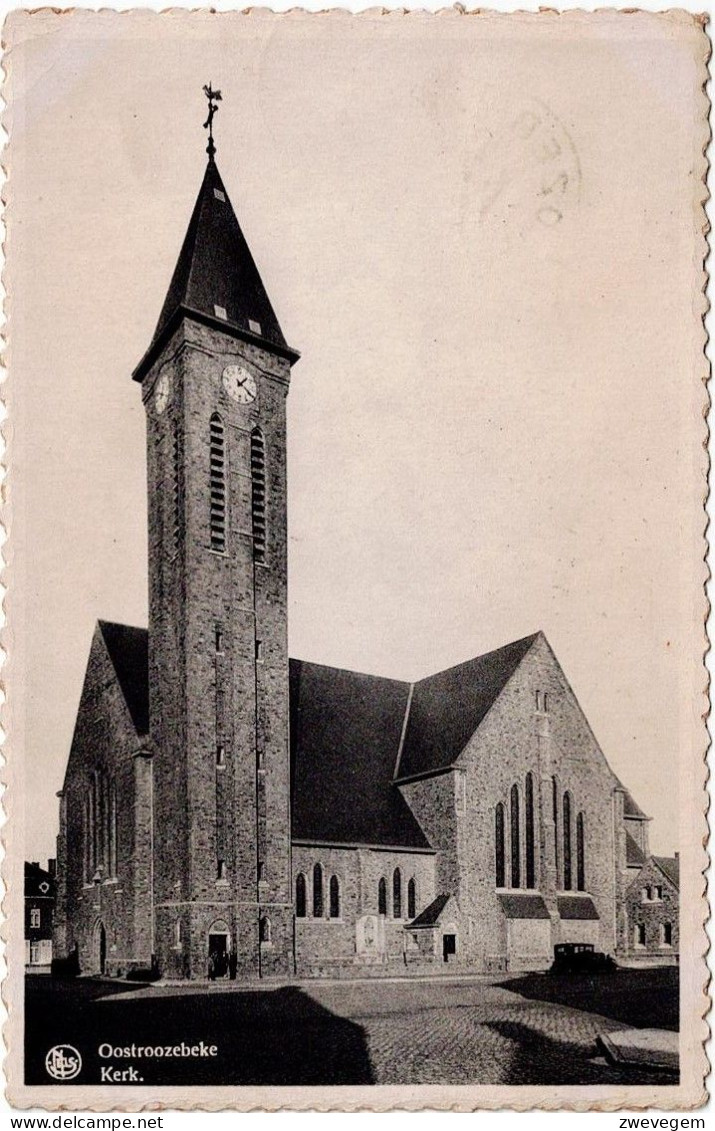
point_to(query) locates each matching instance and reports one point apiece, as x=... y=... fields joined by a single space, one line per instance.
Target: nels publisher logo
x=63 y=1062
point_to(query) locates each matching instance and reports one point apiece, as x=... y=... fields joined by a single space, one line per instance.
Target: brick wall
x=652 y=913
x=239 y=812
x=515 y=739
x=105 y=740
x=322 y=942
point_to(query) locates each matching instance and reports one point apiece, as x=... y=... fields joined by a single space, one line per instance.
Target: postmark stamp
x=356 y=562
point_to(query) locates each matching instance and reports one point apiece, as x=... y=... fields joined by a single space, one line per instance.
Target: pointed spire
x=216 y=280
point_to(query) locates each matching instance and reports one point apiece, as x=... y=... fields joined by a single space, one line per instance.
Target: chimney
x=52 y=866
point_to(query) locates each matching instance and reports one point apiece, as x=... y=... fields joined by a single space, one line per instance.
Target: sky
x=480 y=233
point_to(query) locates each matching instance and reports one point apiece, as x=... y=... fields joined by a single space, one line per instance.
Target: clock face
x=239 y=384
x=163 y=392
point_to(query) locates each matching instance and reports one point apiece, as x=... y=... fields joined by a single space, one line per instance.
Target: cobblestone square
x=528 y=1030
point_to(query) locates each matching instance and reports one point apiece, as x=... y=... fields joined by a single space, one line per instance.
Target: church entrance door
x=449 y=947
x=219 y=951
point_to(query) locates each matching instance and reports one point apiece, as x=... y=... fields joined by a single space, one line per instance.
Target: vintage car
x=581 y=958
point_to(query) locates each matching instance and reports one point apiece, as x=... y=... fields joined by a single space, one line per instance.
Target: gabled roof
x=128 y=650
x=447 y=708
x=634 y=854
x=431 y=915
x=345 y=731
x=216 y=277
x=670 y=865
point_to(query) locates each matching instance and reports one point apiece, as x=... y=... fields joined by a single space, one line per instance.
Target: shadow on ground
x=643 y=999
x=538 y=1059
x=276 y=1036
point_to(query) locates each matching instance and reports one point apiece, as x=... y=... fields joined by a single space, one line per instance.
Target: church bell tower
x=214 y=385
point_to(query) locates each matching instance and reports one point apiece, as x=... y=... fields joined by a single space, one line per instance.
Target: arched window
x=334 y=897
x=529 y=832
x=555 y=812
x=258 y=494
x=411 y=899
x=217 y=483
x=264 y=929
x=666 y=936
x=382 y=897
x=177 y=934
x=499 y=847
x=640 y=934
x=93 y=828
x=567 y=841
x=317 y=892
x=515 y=839
x=300 y=896
x=396 y=894
x=176 y=477
x=113 y=828
x=87 y=824
x=580 y=855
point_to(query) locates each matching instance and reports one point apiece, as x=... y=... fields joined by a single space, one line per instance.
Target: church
x=229 y=811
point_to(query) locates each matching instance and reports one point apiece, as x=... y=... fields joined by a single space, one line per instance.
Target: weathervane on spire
x=214 y=97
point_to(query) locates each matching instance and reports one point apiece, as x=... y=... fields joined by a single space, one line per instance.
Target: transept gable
x=102 y=705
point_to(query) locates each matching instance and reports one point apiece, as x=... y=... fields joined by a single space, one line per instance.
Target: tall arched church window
x=113 y=828
x=87 y=830
x=334 y=897
x=515 y=839
x=93 y=828
x=397 y=894
x=411 y=899
x=529 y=832
x=382 y=897
x=580 y=854
x=300 y=896
x=568 y=884
x=176 y=483
x=499 y=847
x=317 y=892
x=264 y=929
x=555 y=813
x=217 y=483
x=258 y=494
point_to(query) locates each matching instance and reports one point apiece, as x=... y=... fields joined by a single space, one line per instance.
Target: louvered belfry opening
x=258 y=495
x=218 y=484
x=176 y=476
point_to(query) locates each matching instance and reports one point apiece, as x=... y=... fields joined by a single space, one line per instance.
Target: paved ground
x=484 y=1031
